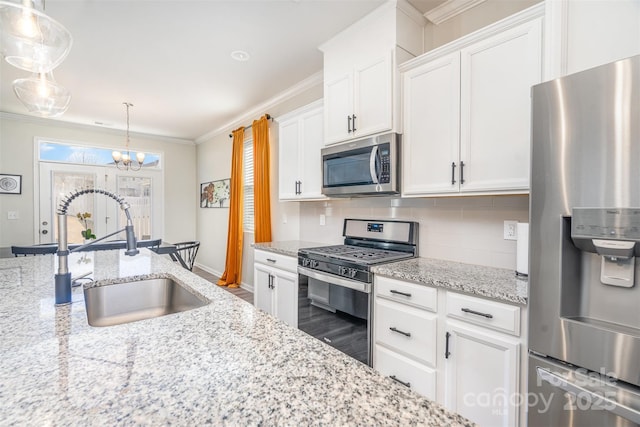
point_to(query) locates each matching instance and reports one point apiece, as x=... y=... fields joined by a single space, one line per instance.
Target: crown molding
x=449 y=9
x=93 y=128
x=304 y=85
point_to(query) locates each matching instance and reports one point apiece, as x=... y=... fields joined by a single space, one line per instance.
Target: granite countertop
x=496 y=283
x=226 y=363
x=289 y=247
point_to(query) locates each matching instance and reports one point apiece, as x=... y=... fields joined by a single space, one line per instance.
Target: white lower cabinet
x=459 y=350
x=482 y=375
x=275 y=290
x=406 y=371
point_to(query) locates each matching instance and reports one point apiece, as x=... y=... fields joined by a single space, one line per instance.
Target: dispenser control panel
x=606 y=223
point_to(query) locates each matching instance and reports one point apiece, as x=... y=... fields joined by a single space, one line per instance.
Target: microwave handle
x=372 y=164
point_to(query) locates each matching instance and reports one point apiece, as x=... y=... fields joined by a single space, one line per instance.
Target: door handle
x=393 y=291
x=394 y=329
x=406 y=384
x=453 y=173
x=477 y=313
x=372 y=165
x=603 y=400
x=447 y=353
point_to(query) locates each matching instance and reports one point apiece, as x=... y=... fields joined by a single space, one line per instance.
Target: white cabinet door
x=373 y=104
x=481 y=375
x=285 y=287
x=338 y=101
x=496 y=78
x=300 y=141
x=262 y=292
x=431 y=127
x=288 y=159
x=310 y=161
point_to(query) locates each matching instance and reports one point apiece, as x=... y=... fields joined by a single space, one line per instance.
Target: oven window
x=319 y=317
x=348 y=168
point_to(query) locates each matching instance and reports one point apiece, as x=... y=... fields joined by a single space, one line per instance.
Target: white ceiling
x=171 y=58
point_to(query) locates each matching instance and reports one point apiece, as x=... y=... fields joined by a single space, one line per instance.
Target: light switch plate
x=13 y=215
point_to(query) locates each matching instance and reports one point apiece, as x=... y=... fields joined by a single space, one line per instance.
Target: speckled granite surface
x=289 y=247
x=497 y=283
x=223 y=364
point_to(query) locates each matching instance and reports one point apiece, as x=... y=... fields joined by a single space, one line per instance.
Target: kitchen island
x=226 y=363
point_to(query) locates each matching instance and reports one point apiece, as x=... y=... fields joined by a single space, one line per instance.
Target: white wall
x=214 y=162
x=463 y=229
x=17 y=135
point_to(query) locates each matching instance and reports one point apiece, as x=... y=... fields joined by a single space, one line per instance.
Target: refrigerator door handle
x=600 y=400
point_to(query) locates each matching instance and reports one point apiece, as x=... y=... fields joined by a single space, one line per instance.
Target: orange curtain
x=233 y=265
x=262 y=196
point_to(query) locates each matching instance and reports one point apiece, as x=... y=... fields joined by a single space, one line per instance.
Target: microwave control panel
x=385 y=164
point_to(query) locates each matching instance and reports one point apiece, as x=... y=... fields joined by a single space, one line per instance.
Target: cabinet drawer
x=408 y=330
x=413 y=374
x=490 y=314
x=406 y=292
x=273 y=259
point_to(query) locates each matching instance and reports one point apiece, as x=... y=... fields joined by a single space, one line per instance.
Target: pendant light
x=42 y=95
x=31 y=40
x=123 y=160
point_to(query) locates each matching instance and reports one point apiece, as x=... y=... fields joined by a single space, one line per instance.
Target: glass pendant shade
x=30 y=40
x=42 y=95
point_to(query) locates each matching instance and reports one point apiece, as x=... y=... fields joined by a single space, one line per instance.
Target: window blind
x=248 y=211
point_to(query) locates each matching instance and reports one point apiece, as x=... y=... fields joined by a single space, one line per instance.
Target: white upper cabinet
x=361 y=88
x=300 y=141
x=467 y=112
x=431 y=140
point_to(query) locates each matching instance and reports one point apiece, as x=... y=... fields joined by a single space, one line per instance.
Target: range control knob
x=342 y=271
x=305 y=262
x=352 y=272
x=313 y=263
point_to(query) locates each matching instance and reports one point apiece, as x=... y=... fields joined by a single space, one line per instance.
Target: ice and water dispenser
x=599 y=268
x=613 y=234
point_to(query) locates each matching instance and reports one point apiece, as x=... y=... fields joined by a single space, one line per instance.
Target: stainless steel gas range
x=335 y=301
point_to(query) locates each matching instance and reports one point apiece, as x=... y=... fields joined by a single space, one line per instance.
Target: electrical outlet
x=511 y=230
x=323 y=219
x=13 y=215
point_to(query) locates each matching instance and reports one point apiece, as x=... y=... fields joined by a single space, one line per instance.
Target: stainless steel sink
x=137 y=300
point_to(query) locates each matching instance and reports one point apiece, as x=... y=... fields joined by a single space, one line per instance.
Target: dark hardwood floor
x=239 y=292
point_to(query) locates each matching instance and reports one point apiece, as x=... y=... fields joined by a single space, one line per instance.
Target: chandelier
x=123 y=160
x=32 y=41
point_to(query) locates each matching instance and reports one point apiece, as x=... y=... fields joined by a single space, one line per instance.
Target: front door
x=142 y=190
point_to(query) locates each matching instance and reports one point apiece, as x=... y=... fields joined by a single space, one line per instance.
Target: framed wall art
x=215 y=194
x=10 y=184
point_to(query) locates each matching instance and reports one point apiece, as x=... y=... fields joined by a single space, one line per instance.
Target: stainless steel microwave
x=365 y=167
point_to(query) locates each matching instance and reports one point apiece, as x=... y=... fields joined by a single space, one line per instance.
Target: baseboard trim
x=244 y=285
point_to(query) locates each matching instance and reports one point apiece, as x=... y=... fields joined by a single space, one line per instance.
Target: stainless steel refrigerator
x=584 y=274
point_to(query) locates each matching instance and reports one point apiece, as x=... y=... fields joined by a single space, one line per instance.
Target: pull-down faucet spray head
x=63 y=277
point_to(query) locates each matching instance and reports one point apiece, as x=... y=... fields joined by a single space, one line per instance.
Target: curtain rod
x=249 y=127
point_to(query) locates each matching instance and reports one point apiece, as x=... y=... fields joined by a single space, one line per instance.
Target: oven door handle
x=372 y=164
x=336 y=280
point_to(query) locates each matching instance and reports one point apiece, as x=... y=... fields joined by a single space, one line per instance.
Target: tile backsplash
x=463 y=229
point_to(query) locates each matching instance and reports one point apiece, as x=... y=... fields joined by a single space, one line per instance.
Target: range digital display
x=375 y=227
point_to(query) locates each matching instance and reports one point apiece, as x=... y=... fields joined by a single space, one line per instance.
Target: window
x=248 y=210
x=61 y=152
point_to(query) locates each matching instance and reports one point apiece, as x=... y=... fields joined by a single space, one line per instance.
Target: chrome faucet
x=63 y=276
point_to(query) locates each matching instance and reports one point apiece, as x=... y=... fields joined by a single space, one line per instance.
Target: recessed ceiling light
x=240 y=55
